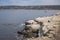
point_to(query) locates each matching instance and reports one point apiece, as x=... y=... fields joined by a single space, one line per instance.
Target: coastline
x=52 y=24
x=42 y=7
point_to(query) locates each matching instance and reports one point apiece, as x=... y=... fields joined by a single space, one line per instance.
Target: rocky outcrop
x=43 y=28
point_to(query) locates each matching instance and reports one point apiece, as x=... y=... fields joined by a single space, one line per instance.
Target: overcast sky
x=29 y=2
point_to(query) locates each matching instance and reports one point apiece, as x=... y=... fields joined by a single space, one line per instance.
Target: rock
x=29 y=22
x=43 y=19
x=45 y=28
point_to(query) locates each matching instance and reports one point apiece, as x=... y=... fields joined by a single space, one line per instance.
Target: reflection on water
x=11 y=20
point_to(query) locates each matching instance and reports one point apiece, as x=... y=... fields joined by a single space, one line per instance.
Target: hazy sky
x=29 y=2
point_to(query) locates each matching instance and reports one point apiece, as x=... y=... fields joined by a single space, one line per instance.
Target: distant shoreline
x=42 y=7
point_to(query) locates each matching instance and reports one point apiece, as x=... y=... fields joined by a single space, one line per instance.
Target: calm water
x=11 y=20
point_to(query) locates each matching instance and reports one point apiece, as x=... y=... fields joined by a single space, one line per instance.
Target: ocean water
x=11 y=20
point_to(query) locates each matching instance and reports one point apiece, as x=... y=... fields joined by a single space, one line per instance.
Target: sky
x=29 y=2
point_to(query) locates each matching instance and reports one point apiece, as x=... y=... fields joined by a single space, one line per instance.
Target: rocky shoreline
x=42 y=28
